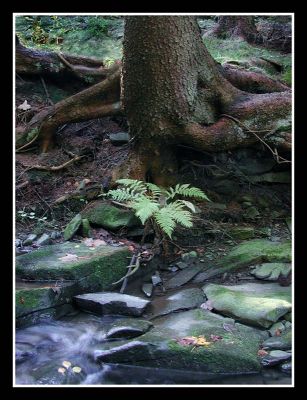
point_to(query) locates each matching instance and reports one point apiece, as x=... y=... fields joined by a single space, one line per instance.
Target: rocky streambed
x=182 y=324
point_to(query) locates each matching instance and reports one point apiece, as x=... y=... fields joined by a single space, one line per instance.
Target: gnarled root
x=97 y=101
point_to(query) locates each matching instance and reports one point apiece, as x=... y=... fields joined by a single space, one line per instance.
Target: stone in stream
x=110 y=217
x=147 y=289
x=282 y=342
x=111 y=303
x=127 y=328
x=252 y=303
x=161 y=347
x=182 y=300
x=277 y=328
x=183 y=277
x=23 y=352
x=156 y=279
x=43 y=240
x=286 y=367
x=72 y=227
x=29 y=239
x=271 y=271
x=275 y=357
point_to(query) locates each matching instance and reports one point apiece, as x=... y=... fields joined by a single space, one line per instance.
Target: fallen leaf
x=201 y=341
x=62 y=370
x=66 y=364
x=186 y=341
x=215 y=338
x=21 y=300
x=94 y=243
x=207 y=305
x=277 y=332
x=24 y=106
x=131 y=248
x=77 y=370
x=262 y=353
x=69 y=257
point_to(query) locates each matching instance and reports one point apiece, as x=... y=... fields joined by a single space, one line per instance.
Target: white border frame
x=14 y=198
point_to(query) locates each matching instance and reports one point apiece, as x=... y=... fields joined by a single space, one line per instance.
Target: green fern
x=151 y=202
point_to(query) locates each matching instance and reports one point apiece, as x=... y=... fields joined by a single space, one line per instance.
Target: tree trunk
x=237 y=27
x=174 y=93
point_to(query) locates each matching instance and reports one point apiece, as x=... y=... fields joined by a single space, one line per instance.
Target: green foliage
x=162 y=206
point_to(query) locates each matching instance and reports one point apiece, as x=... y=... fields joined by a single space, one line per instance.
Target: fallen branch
x=58 y=167
x=133 y=271
x=27 y=144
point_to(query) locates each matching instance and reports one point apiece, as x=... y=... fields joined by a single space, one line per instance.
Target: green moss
x=46 y=263
x=254 y=251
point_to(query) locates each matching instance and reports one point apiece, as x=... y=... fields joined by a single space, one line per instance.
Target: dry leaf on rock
x=262 y=353
x=92 y=243
x=76 y=370
x=215 y=338
x=66 y=364
x=62 y=370
x=69 y=257
x=207 y=305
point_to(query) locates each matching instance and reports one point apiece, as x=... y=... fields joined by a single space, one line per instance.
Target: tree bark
x=234 y=26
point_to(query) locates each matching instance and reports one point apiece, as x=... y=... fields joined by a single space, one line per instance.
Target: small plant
x=160 y=208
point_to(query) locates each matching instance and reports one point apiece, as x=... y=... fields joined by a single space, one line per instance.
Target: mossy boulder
x=271 y=271
x=236 y=351
x=110 y=217
x=252 y=303
x=74 y=261
x=72 y=227
x=255 y=251
x=242 y=232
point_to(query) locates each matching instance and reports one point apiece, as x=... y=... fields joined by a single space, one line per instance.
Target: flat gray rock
x=127 y=328
x=147 y=289
x=275 y=357
x=183 y=300
x=271 y=271
x=161 y=347
x=282 y=342
x=183 y=277
x=111 y=303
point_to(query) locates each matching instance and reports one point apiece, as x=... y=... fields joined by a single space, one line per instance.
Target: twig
x=137 y=266
x=276 y=156
x=132 y=261
x=58 y=167
x=46 y=91
x=27 y=144
x=21 y=185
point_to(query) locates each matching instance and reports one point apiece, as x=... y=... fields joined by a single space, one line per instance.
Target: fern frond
x=133 y=184
x=187 y=191
x=179 y=214
x=123 y=194
x=155 y=190
x=144 y=207
x=165 y=220
x=187 y=204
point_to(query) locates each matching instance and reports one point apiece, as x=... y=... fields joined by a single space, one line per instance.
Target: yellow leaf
x=66 y=364
x=201 y=341
x=77 y=370
x=62 y=370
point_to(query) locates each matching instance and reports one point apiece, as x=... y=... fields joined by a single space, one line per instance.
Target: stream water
x=41 y=349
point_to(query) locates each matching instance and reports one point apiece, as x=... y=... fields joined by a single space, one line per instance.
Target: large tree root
x=97 y=101
x=267 y=115
x=252 y=82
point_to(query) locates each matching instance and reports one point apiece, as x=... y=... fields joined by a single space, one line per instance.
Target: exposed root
x=251 y=82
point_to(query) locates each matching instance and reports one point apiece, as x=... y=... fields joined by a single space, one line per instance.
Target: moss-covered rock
x=74 y=261
x=236 y=351
x=72 y=227
x=86 y=228
x=255 y=251
x=242 y=232
x=110 y=217
x=252 y=303
x=271 y=271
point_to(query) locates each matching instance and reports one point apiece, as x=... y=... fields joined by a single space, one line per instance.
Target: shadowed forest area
x=153 y=199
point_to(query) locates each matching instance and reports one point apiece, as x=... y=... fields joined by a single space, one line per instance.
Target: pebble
x=275 y=357
x=55 y=235
x=147 y=289
x=44 y=239
x=286 y=367
x=30 y=239
x=156 y=280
